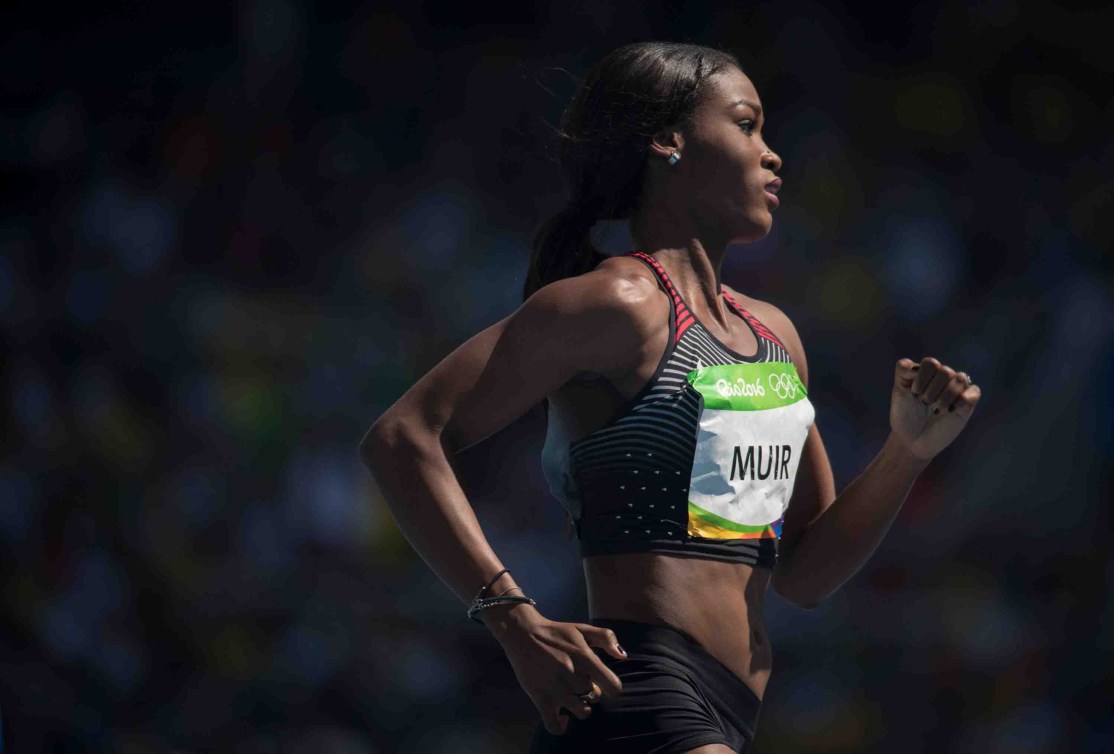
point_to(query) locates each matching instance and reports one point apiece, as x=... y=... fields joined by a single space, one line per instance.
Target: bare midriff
x=716 y=603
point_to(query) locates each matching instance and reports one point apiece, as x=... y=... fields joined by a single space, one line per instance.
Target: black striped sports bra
x=701 y=462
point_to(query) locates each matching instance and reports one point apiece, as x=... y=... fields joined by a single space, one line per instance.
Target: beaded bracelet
x=480 y=602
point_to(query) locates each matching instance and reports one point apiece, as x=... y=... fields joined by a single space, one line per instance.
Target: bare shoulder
x=617 y=295
x=780 y=324
x=608 y=313
x=617 y=285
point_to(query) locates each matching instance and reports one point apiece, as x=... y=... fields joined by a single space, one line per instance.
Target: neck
x=691 y=262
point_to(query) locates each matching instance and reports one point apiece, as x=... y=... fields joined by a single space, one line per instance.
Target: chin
x=755 y=232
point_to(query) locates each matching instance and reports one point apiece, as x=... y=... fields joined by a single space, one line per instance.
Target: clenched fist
x=931 y=404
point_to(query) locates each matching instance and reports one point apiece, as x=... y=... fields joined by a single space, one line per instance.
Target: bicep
x=483 y=386
x=500 y=373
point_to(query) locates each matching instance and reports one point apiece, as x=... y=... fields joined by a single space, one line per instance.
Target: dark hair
x=631 y=95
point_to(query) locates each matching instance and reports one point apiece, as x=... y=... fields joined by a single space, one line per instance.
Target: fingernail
x=621 y=650
x=935 y=410
x=915 y=393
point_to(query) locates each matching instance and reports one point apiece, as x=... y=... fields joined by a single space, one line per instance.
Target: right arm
x=593 y=322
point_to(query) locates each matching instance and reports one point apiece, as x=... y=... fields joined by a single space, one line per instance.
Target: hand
x=555 y=664
x=930 y=406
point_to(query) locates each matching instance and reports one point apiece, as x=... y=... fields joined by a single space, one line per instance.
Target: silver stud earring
x=674 y=158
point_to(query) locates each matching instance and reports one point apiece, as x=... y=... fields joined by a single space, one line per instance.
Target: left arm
x=826 y=538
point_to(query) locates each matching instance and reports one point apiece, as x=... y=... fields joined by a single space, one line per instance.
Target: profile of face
x=726 y=179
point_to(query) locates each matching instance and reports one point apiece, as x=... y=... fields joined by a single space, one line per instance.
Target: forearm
x=426 y=500
x=837 y=543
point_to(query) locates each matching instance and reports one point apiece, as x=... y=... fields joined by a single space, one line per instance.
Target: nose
x=770 y=160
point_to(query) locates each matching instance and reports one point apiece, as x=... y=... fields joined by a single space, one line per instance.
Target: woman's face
x=729 y=172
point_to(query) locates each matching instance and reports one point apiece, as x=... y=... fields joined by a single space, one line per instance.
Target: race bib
x=753 y=424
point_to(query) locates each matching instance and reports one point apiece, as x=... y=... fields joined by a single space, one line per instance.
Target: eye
x=747 y=126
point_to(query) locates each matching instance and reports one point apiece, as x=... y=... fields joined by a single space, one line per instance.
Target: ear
x=666 y=142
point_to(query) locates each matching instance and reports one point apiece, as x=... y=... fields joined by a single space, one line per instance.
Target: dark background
x=232 y=235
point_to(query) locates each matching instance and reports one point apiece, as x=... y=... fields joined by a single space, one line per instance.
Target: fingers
x=555 y=707
x=936 y=385
x=558 y=706
x=555 y=719
x=604 y=638
x=927 y=372
x=939 y=387
x=590 y=665
x=905 y=372
x=592 y=694
x=924 y=371
x=572 y=702
x=965 y=404
x=586 y=675
x=951 y=392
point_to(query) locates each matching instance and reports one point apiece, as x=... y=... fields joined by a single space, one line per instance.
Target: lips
x=771 y=191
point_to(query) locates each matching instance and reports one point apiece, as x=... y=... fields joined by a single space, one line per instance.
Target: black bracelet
x=492 y=582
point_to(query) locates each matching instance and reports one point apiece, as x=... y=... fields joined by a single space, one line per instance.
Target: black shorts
x=675 y=697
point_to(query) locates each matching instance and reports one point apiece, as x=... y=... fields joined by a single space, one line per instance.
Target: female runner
x=680 y=436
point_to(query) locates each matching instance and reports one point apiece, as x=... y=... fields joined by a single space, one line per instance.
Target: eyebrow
x=755 y=105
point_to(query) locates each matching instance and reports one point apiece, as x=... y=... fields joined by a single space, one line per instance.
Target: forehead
x=728 y=87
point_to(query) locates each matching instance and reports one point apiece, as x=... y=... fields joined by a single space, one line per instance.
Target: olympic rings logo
x=783 y=385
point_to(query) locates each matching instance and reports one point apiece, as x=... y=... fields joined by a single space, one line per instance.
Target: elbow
x=806 y=604
x=799 y=600
x=383 y=435
x=391 y=435
x=793 y=592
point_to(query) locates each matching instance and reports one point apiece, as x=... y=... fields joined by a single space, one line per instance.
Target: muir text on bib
x=753 y=423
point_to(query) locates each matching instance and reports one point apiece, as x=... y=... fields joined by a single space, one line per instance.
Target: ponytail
x=562 y=249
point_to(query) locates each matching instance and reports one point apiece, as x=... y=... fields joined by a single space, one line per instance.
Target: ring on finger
x=592 y=695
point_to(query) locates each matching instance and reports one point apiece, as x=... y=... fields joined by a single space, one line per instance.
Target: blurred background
x=233 y=234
